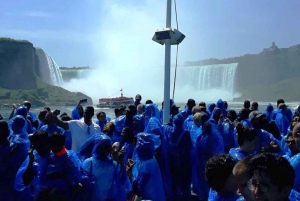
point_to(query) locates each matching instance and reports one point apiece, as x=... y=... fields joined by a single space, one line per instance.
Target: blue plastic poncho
x=151 y=110
x=188 y=122
x=40 y=168
x=87 y=147
x=33 y=116
x=154 y=127
x=246 y=123
x=288 y=113
x=282 y=122
x=211 y=108
x=228 y=134
x=180 y=149
x=294 y=195
x=147 y=178
x=220 y=104
x=214 y=196
x=119 y=125
x=75 y=114
x=268 y=112
x=209 y=143
x=264 y=139
x=108 y=184
x=238 y=154
x=52 y=128
x=102 y=124
x=139 y=124
x=295 y=162
x=22 y=110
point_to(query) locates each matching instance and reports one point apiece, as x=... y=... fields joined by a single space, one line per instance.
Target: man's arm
x=29 y=172
x=63 y=124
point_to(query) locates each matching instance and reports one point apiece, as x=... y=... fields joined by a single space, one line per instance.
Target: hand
x=55 y=112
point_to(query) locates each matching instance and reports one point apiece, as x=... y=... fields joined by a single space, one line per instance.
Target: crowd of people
x=204 y=152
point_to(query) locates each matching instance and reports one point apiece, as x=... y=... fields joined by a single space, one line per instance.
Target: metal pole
x=166 y=117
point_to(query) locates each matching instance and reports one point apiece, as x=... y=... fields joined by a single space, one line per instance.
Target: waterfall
x=217 y=76
x=47 y=69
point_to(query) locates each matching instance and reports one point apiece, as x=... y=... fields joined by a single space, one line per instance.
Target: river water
x=5 y=112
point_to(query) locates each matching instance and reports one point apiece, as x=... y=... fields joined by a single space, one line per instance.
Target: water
x=237 y=106
x=48 y=70
x=218 y=76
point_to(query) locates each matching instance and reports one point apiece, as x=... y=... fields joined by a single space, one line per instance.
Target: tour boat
x=115 y=102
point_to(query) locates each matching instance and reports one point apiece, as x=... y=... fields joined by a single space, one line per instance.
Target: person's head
x=49 y=118
x=197 y=119
x=140 y=108
x=18 y=124
x=279 y=101
x=218 y=174
x=117 y=112
x=174 y=110
x=191 y=103
x=47 y=109
x=196 y=109
x=247 y=138
x=295 y=120
x=254 y=106
x=202 y=107
x=109 y=128
x=290 y=141
x=101 y=116
x=282 y=106
x=211 y=107
x=102 y=147
x=231 y=115
x=217 y=113
x=88 y=113
x=40 y=142
x=22 y=110
x=246 y=104
x=27 y=105
x=272 y=177
x=148 y=102
x=57 y=141
x=65 y=118
x=42 y=115
x=241 y=176
x=258 y=120
x=138 y=98
x=127 y=134
x=146 y=145
x=202 y=104
x=4 y=131
x=225 y=104
x=178 y=121
x=296 y=135
x=131 y=111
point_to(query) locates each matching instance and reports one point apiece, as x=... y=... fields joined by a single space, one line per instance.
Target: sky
x=116 y=35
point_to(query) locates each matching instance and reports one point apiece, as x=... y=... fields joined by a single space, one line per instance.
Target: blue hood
x=269 y=108
x=220 y=104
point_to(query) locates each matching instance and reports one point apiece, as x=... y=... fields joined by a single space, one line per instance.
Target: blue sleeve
x=75 y=115
x=33 y=116
x=74 y=175
x=19 y=184
x=295 y=162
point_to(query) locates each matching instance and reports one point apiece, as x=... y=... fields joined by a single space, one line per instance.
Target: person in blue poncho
x=243 y=118
x=269 y=112
x=138 y=99
x=147 y=182
x=254 y=106
x=154 y=127
x=228 y=130
x=281 y=119
x=128 y=147
x=218 y=173
x=188 y=108
x=49 y=126
x=31 y=176
x=179 y=149
x=220 y=104
x=295 y=160
x=161 y=111
x=22 y=110
x=28 y=106
x=266 y=141
x=188 y=122
x=211 y=108
x=247 y=140
x=63 y=171
x=19 y=144
x=5 y=150
x=102 y=119
x=104 y=172
x=272 y=177
x=77 y=112
x=288 y=113
x=174 y=111
x=209 y=143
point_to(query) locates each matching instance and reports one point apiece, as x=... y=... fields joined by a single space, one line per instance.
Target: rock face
x=20 y=78
x=273 y=65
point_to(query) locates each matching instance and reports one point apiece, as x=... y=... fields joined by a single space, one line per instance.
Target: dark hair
x=117 y=110
x=225 y=104
x=109 y=128
x=277 y=168
x=91 y=108
x=241 y=166
x=149 y=101
x=65 y=118
x=247 y=104
x=218 y=169
x=244 y=133
x=39 y=135
x=233 y=114
x=57 y=138
x=63 y=114
x=47 y=109
x=129 y=133
x=99 y=113
x=279 y=101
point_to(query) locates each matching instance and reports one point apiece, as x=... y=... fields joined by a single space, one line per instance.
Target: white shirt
x=80 y=133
